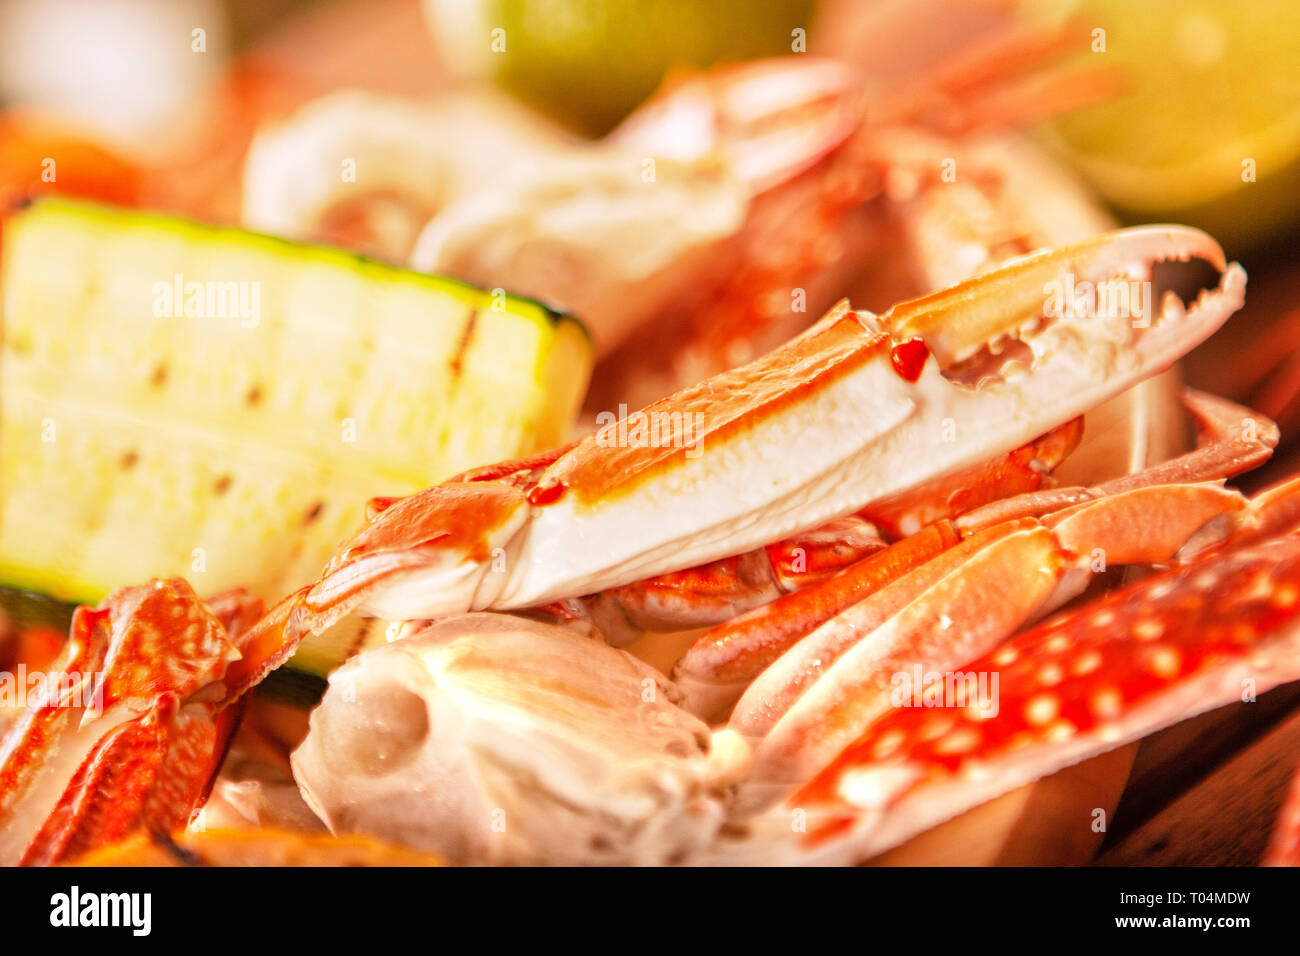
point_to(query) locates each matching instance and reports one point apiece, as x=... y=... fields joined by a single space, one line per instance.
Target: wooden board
x=1226 y=817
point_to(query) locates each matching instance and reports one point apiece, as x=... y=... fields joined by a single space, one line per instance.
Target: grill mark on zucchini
x=457 y=364
x=184 y=435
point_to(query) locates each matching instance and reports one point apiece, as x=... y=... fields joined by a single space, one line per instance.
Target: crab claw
x=1094 y=281
x=125 y=731
x=849 y=413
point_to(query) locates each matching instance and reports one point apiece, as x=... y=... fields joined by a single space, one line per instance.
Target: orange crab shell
x=147 y=665
x=1081 y=683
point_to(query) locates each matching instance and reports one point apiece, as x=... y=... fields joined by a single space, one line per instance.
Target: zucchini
x=183 y=399
x=297 y=688
x=26 y=609
x=319 y=654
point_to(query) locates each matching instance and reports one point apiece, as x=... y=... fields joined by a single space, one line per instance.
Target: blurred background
x=1169 y=110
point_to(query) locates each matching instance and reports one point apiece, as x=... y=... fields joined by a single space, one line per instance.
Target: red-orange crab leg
x=810 y=557
x=120 y=664
x=850 y=672
x=1094 y=532
x=713 y=592
x=764 y=701
x=723 y=662
x=267 y=644
x=1016 y=473
x=995 y=82
x=1220 y=630
x=718 y=667
x=131 y=735
x=145 y=774
x=769 y=120
x=1231 y=439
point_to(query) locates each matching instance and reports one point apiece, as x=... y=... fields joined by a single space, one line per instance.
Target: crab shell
x=136 y=708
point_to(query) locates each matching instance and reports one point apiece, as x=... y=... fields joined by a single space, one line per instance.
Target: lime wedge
x=588 y=63
x=1208 y=131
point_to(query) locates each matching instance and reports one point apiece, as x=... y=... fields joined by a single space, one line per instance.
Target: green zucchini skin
x=293 y=687
x=28 y=609
x=237 y=445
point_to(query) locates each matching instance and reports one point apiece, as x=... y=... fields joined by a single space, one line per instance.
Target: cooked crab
x=863 y=416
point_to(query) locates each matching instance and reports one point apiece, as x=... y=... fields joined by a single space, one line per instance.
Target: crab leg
x=719 y=666
x=1218 y=631
x=768 y=120
x=778 y=687
x=128 y=729
x=849 y=413
x=155 y=768
x=714 y=592
x=1231 y=439
x=1017 y=473
x=832 y=685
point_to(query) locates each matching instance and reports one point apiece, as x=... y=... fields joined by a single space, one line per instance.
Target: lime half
x=1208 y=130
x=588 y=63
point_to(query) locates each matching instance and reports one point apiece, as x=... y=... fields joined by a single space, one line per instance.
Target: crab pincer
x=816 y=430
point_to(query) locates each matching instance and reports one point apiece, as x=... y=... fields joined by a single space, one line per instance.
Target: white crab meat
x=493 y=739
x=353 y=154
x=590 y=233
